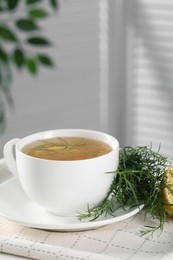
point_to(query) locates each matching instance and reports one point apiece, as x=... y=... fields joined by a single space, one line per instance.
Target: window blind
x=150 y=74
x=75 y=94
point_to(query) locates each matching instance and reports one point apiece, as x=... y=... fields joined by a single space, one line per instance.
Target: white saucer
x=16 y=206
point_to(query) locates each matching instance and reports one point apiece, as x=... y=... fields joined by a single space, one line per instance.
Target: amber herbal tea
x=67 y=148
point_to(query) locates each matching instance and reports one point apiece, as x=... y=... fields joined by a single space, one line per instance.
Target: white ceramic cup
x=63 y=187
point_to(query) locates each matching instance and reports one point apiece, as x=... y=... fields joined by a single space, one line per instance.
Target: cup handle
x=10 y=155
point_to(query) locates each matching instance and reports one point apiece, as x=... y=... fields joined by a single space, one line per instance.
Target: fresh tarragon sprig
x=139 y=180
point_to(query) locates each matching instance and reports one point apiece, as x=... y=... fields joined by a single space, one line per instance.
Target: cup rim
x=109 y=139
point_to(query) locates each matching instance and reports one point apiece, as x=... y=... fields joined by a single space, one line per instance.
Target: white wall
x=76 y=93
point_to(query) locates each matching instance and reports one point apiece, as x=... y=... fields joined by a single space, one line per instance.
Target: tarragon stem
x=138 y=181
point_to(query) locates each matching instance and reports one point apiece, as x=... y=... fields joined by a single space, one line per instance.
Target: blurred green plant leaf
x=2 y=118
x=6 y=79
x=6 y=34
x=26 y=25
x=54 y=3
x=18 y=54
x=41 y=41
x=38 y=13
x=3 y=55
x=29 y=2
x=19 y=57
x=1 y=7
x=45 y=60
x=31 y=65
x=12 y=4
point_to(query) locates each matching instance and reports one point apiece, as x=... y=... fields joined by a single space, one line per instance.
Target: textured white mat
x=120 y=240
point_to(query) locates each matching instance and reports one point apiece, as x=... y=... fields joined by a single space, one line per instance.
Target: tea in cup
x=65 y=170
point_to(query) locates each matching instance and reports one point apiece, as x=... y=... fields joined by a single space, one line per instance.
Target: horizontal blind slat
x=151 y=74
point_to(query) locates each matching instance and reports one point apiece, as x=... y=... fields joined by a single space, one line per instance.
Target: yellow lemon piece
x=167 y=193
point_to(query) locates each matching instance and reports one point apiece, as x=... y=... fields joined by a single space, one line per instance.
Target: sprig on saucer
x=138 y=181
